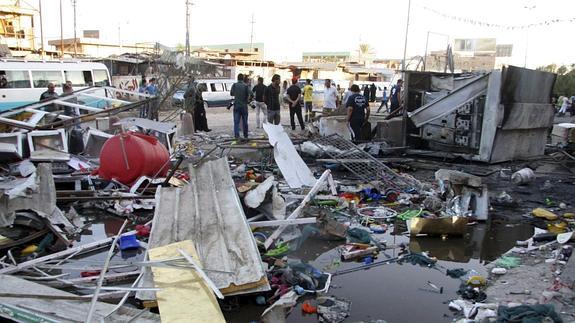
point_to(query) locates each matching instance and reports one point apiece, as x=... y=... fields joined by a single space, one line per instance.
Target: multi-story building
x=16 y=29
x=471 y=54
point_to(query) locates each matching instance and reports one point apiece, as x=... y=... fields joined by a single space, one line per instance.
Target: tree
x=562 y=70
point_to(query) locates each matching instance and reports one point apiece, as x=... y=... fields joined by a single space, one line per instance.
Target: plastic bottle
x=523 y=176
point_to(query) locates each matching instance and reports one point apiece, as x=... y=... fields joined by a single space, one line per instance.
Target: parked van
x=22 y=82
x=217 y=92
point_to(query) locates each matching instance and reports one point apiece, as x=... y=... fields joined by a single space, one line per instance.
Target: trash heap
x=203 y=228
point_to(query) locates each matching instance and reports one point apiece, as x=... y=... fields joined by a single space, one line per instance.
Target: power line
x=500 y=26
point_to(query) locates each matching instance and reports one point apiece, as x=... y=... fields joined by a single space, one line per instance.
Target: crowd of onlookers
x=564 y=104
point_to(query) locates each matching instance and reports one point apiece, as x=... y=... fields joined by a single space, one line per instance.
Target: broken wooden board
x=58 y=309
x=184 y=296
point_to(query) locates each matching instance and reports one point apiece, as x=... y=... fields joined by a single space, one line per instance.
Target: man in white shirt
x=329 y=96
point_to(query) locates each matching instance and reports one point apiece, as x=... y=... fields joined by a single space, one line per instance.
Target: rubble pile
x=201 y=228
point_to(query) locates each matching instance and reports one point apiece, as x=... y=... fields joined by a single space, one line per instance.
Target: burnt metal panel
x=449 y=103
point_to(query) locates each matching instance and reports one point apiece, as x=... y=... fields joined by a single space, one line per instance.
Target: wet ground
x=400 y=292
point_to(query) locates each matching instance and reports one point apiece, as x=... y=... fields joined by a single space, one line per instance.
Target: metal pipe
x=61 y=32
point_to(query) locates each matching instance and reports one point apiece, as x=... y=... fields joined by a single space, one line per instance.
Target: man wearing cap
x=294 y=100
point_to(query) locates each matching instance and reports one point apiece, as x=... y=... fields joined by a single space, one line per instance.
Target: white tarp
x=293 y=168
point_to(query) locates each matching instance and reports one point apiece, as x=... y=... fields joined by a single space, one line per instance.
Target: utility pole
x=75 y=45
x=188 y=4
x=529 y=8
x=406 y=33
x=41 y=28
x=61 y=32
x=404 y=90
x=252 y=22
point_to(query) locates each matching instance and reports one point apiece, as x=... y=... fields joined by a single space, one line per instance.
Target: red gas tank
x=127 y=156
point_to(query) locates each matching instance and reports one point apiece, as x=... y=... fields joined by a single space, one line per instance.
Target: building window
x=256 y=49
x=241 y=50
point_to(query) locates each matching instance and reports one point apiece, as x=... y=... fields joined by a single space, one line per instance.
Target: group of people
x=50 y=94
x=566 y=104
x=269 y=99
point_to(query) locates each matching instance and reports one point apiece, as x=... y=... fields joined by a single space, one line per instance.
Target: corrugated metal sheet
x=208 y=211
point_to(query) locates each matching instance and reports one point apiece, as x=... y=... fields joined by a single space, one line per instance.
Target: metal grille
x=359 y=162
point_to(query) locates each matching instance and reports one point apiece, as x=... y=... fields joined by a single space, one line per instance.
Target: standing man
x=259 y=91
x=329 y=97
x=152 y=88
x=372 y=92
x=49 y=94
x=384 y=100
x=272 y=100
x=241 y=94
x=190 y=95
x=308 y=99
x=357 y=112
x=395 y=95
x=294 y=100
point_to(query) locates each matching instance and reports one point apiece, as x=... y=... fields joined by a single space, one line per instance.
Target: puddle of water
x=400 y=292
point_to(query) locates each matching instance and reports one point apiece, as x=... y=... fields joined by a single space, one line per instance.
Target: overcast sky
x=290 y=27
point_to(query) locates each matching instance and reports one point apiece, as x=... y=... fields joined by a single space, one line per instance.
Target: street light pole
x=406 y=33
x=41 y=29
x=61 y=32
x=188 y=28
x=529 y=8
x=75 y=44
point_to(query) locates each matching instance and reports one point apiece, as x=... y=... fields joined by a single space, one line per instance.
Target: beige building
x=16 y=28
x=93 y=47
x=478 y=54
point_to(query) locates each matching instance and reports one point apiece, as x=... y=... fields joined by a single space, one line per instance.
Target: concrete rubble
x=289 y=226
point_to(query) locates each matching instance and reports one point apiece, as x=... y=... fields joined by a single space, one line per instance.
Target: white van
x=217 y=92
x=22 y=82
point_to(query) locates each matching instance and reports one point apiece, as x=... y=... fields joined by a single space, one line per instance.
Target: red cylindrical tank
x=127 y=156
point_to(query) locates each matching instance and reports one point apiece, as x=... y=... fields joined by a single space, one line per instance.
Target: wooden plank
x=184 y=296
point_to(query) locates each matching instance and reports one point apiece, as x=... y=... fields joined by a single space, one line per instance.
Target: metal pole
x=406 y=33
x=75 y=45
x=425 y=55
x=41 y=29
x=187 y=28
x=529 y=8
x=61 y=32
x=252 y=35
x=404 y=90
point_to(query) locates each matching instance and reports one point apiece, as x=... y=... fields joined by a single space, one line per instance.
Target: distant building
x=253 y=51
x=92 y=47
x=472 y=54
x=326 y=57
x=16 y=28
